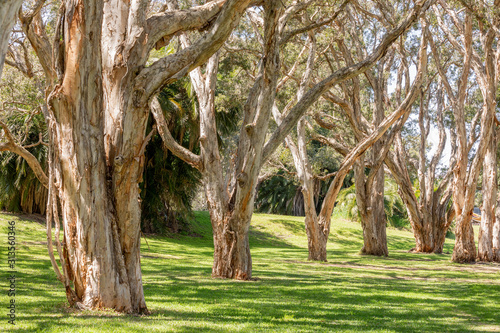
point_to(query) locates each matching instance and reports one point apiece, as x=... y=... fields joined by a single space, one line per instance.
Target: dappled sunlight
x=351 y=292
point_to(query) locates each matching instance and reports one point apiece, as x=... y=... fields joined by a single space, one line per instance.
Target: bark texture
x=98 y=108
x=496 y=234
x=485 y=69
x=97 y=259
x=488 y=213
x=8 y=11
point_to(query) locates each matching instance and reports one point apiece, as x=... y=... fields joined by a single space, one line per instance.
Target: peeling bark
x=8 y=11
x=488 y=213
x=97 y=118
x=465 y=179
x=496 y=234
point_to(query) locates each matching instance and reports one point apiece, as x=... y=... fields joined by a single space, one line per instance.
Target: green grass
x=404 y=292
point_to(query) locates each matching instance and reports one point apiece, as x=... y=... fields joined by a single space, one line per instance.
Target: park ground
x=405 y=292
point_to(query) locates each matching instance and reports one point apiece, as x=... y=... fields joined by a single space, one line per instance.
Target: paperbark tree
x=489 y=190
x=232 y=256
x=429 y=214
x=98 y=94
x=231 y=208
x=465 y=180
x=370 y=187
x=489 y=72
x=316 y=241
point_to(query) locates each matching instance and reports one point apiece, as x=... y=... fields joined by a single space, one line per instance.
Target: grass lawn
x=404 y=292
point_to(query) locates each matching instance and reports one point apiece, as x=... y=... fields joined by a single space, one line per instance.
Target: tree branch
x=341 y=75
x=163 y=26
x=184 y=154
x=13 y=147
x=312 y=26
x=169 y=69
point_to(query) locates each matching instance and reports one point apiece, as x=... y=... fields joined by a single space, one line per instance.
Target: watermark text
x=11 y=264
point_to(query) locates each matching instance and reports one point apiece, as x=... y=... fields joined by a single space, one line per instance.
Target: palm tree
x=170 y=185
x=394 y=207
x=20 y=190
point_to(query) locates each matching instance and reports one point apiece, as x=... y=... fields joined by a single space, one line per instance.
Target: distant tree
x=364 y=105
x=20 y=190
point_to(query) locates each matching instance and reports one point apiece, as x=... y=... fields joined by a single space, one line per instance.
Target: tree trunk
x=496 y=235
x=488 y=216
x=232 y=258
x=8 y=13
x=373 y=218
x=101 y=231
x=431 y=238
x=316 y=237
x=465 y=247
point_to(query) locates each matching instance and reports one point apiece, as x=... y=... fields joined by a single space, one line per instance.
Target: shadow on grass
x=404 y=292
x=302 y=302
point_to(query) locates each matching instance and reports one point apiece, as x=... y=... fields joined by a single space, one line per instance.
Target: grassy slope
x=402 y=293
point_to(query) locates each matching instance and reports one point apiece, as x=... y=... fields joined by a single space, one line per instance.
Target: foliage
x=21 y=101
x=276 y=194
x=394 y=207
x=20 y=190
x=170 y=184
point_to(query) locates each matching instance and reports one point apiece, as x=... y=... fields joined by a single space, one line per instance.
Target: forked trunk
x=430 y=231
x=430 y=239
